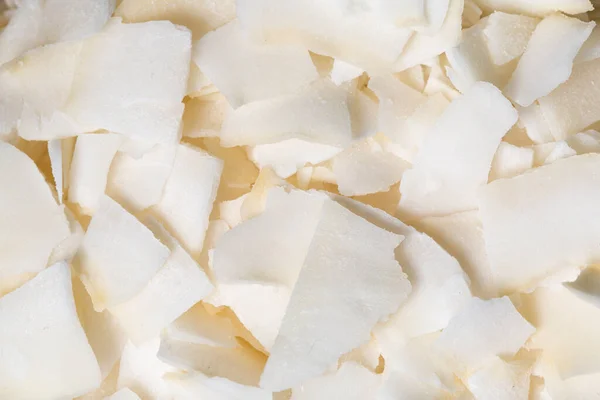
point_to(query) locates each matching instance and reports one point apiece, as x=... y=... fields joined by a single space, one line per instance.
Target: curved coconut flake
x=537 y=8
x=524 y=245
x=362 y=36
x=501 y=380
x=574 y=105
x=123 y=394
x=343 y=72
x=188 y=196
x=138 y=182
x=461 y=234
x=104 y=334
x=287 y=156
x=367 y=168
x=118 y=256
x=131 y=79
x=199 y=16
x=532 y=119
x=591 y=48
x=350 y=382
x=484 y=329
x=585 y=142
x=324 y=318
x=507 y=35
x=42 y=341
x=510 y=161
x=37 y=23
x=89 y=169
x=317 y=113
x=245 y=71
x=31 y=223
x=176 y=287
x=256 y=263
x=548 y=60
x=424 y=46
x=199 y=326
x=447 y=171
x=197 y=386
x=567 y=329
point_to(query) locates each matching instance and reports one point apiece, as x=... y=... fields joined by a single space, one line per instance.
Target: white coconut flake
x=123 y=394
x=507 y=35
x=510 y=161
x=538 y=8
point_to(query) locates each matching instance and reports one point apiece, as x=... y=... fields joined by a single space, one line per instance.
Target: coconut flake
x=548 y=59
x=507 y=35
x=511 y=161
x=537 y=8
x=123 y=394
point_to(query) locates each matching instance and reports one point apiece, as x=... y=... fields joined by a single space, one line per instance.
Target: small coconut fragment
x=367 y=168
x=42 y=341
x=319 y=326
x=131 y=79
x=31 y=223
x=105 y=335
x=365 y=37
x=177 y=286
x=554 y=44
x=351 y=382
x=317 y=113
x=501 y=380
x=537 y=8
x=513 y=216
x=118 y=256
x=591 y=48
x=510 y=161
x=567 y=329
x=123 y=394
x=573 y=106
x=287 y=156
x=245 y=71
x=89 y=169
x=482 y=330
x=533 y=120
x=559 y=151
x=446 y=172
x=585 y=142
x=204 y=115
x=344 y=72
x=507 y=35
x=461 y=235
x=188 y=196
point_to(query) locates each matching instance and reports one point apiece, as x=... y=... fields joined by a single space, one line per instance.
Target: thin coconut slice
x=534 y=122
x=204 y=115
x=567 y=329
x=319 y=326
x=31 y=223
x=591 y=48
x=287 y=156
x=517 y=227
x=37 y=23
x=501 y=380
x=199 y=16
x=135 y=88
x=510 y=161
x=256 y=264
x=482 y=330
x=413 y=77
x=199 y=326
x=246 y=71
x=548 y=60
x=106 y=388
x=240 y=363
x=424 y=46
x=362 y=36
x=350 y=382
x=118 y=256
x=177 y=286
x=471 y=60
x=138 y=183
x=447 y=172
x=123 y=394
x=368 y=355
x=41 y=341
x=558 y=151
x=537 y=8
x=585 y=142
x=141 y=371
x=89 y=169
x=317 y=113
x=105 y=335
x=573 y=106
x=507 y=35
x=188 y=196
x=343 y=72
x=367 y=168
x=56 y=163
x=198 y=386
x=66 y=250
x=461 y=234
